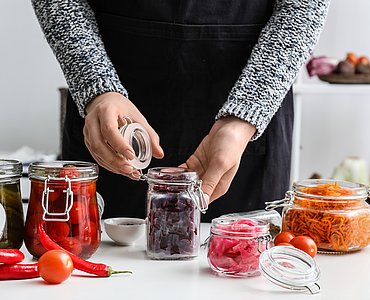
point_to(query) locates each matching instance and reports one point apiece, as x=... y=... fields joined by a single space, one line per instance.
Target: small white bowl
x=124 y=231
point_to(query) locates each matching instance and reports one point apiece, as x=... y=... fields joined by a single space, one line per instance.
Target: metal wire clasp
x=56 y=216
x=200 y=201
x=287 y=201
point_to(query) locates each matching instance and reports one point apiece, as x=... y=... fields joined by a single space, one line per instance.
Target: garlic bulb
x=353 y=169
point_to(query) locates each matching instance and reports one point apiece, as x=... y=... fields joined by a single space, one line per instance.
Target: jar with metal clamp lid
x=63 y=194
x=333 y=213
x=174 y=201
x=11 y=209
x=235 y=244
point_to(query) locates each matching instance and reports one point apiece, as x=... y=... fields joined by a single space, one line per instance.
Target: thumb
x=210 y=181
x=157 y=150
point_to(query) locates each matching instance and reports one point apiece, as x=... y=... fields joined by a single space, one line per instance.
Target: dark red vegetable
x=11 y=256
x=98 y=269
x=19 y=271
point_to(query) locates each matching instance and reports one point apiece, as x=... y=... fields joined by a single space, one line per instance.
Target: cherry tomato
x=85 y=232
x=55 y=266
x=57 y=230
x=72 y=173
x=305 y=243
x=283 y=237
x=71 y=244
x=285 y=244
x=78 y=212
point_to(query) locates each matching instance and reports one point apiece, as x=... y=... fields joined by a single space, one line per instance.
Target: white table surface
x=342 y=277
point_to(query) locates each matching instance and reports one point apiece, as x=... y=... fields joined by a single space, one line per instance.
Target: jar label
x=2 y=220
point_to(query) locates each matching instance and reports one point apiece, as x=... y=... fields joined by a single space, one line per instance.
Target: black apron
x=179 y=60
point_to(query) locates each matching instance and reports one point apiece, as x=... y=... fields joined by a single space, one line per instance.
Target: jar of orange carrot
x=333 y=213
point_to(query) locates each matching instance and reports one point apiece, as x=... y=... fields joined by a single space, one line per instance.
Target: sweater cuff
x=84 y=94
x=247 y=111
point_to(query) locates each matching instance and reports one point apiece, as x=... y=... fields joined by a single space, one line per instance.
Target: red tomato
x=71 y=244
x=285 y=244
x=55 y=266
x=85 y=232
x=283 y=237
x=57 y=230
x=305 y=244
x=72 y=173
x=78 y=212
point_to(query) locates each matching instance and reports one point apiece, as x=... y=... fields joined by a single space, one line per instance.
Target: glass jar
x=333 y=213
x=235 y=245
x=174 y=203
x=11 y=209
x=63 y=193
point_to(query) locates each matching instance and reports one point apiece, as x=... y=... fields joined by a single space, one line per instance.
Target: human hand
x=217 y=158
x=104 y=115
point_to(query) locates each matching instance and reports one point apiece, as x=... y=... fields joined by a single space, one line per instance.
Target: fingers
x=217 y=179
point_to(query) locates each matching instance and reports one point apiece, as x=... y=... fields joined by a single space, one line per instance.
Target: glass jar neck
x=171 y=176
x=229 y=227
x=10 y=170
x=329 y=194
x=74 y=170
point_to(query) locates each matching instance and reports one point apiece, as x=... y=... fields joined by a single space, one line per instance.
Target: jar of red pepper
x=63 y=193
x=11 y=209
x=174 y=204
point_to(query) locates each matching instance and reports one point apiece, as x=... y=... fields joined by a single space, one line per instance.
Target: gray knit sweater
x=283 y=47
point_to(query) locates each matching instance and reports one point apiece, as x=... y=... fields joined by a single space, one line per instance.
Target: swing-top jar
x=235 y=244
x=63 y=194
x=333 y=213
x=174 y=204
x=11 y=209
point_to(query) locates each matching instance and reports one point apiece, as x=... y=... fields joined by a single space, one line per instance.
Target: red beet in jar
x=63 y=193
x=174 y=204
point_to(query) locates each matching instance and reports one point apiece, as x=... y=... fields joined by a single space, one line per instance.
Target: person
x=209 y=80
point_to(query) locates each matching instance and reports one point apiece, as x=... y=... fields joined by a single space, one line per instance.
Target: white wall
x=29 y=81
x=337 y=126
x=332 y=127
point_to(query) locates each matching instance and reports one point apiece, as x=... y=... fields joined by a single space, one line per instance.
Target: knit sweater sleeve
x=283 y=47
x=72 y=33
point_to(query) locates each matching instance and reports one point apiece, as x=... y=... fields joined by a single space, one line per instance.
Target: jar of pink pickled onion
x=235 y=245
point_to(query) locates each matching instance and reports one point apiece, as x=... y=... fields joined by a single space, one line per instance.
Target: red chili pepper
x=99 y=269
x=11 y=256
x=19 y=271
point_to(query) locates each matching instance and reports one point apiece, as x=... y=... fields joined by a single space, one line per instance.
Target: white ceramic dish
x=124 y=231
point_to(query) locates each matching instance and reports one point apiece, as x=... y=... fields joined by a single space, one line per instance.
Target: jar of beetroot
x=63 y=194
x=235 y=245
x=174 y=204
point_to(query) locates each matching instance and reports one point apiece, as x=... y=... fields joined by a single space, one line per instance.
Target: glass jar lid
x=290 y=268
x=74 y=170
x=138 y=138
x=10 y=168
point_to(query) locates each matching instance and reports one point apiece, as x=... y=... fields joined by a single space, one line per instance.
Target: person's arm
x=72 y=33
x=283 y=47
x=71 y=30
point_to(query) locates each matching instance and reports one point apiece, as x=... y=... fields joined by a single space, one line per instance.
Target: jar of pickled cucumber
x=11 y=209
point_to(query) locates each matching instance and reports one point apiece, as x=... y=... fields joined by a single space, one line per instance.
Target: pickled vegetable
x=334 y=224
x=10 y=198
